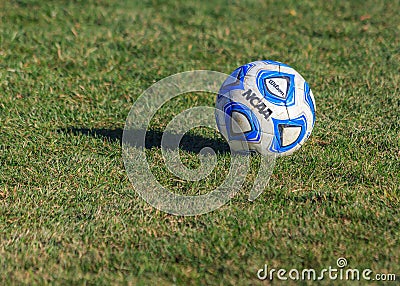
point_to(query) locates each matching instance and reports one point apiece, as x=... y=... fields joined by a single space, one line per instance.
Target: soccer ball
x=265 y=107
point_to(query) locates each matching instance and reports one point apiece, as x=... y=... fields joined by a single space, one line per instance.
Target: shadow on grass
x=191 y=143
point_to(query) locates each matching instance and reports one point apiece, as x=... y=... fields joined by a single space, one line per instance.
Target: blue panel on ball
x=254 y=134
x=277 y=96
x=277 y=145
x=309 y=100
x=275 y=63
x=246 y=68
x=235 y=80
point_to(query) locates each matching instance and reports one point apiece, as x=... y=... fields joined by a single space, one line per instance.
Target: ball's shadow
x=190 y=142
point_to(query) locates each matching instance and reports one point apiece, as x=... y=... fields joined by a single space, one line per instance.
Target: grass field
x=69 y=73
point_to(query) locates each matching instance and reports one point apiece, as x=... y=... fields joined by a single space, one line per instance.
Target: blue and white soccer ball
x=267 y=107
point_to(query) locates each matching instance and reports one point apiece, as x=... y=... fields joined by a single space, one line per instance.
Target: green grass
x=69 y=73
